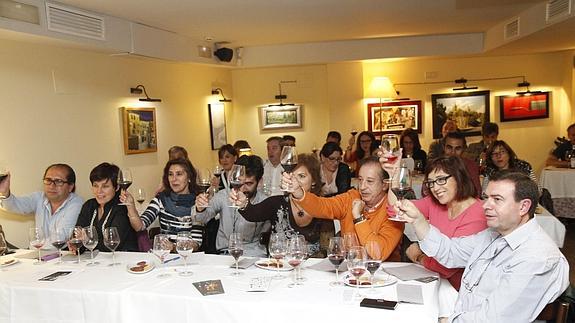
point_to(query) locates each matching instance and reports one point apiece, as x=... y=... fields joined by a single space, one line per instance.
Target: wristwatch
x=358 y=220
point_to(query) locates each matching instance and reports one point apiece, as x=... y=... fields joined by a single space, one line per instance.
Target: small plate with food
x=140 y=267
x=380 y=280
x=8 y=262
x=273 y=264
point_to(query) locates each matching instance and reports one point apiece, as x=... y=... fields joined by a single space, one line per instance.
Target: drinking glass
x=161 y=248
x=59 y=238
x=203 y=179
x=90 y=242
x=185 y=246
x=349 y=240
x=37 y=240
x=236 y=249
x=353 y=132
x=218 y=170
x=308 y=252
x=295 y=257
x=356 y=264
x=390 y=147
x=400 y=186
x=3 y=175
x=335 y=254
x=278 y=249
x=140 y=196
x=3 y=245
x=124 y=180
x=237 y=175
x=373 y=260
x=76 y=240
x=112 y=241
x=288 y=159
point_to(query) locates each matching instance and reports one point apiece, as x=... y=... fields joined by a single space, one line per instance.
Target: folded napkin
x=409 y=272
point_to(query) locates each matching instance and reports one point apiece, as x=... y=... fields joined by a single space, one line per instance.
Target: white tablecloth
x=111 y=294
x=559 y=181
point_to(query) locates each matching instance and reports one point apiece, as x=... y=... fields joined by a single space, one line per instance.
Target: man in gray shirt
x=57 y=207
x=230 y=219
x=512 y=268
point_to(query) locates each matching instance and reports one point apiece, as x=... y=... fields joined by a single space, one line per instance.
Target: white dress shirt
x=272 y=178
x=506 y=279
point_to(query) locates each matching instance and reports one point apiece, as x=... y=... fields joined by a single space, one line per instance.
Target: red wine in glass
x=357 y=272
x=141 y=201
x=372 y=266
x=59 y=244
x=124 y=184
x=335 y=260
x=204 y=187
x=3 y=176
x=391 y=158
x=236 y=253
x=76 y=243
x=288 y=168
x=400 y=192
x=236 y=184
x=294 y=262
x=353 y=132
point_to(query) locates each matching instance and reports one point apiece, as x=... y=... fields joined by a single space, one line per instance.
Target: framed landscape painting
x=393 y=117
x=469 y=110
x=140 y=132
x=524 y=107
x=280 y=117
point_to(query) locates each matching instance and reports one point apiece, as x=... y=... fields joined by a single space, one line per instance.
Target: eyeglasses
x=439 y=181
x=498 y=153
x=57 y=181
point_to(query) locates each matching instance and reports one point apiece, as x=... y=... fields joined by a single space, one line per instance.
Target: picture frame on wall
x=524 y=107
x=217 y=125
x=394 y=117
x=469 y=110
x=274 y=117
x=140 y=131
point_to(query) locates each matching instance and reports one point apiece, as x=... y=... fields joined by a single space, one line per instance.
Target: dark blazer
x=343 y=179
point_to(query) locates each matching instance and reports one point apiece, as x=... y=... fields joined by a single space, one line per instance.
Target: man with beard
x=230 y=220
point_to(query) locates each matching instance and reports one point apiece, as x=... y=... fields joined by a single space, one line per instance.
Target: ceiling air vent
x=511 y=29
x=557 y=9
x=74 y=22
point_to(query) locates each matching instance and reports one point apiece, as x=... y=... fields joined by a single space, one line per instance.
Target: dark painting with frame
x=469 y=110
x=393 y=117
x=524 y=107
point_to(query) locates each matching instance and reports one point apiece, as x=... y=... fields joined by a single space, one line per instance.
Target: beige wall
x=62 y=105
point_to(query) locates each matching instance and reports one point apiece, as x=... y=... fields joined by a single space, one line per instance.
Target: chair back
x=144 y=243
x=556 y=311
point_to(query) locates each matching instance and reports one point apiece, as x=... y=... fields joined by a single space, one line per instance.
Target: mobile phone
x=54 y=276
x=378 y=303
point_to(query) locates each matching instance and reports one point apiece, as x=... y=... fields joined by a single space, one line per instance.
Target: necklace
x=300 y=212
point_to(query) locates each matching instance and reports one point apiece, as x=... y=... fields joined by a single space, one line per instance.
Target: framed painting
x=469 y=110
x=524 y=107
x=140 y=132
x=393 y=117
x=217 y=125
x=280 y=117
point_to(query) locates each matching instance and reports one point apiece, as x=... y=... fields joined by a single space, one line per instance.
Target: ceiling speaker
x=224 y=54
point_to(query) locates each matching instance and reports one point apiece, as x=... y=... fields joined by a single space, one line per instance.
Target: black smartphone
x=54 y=276
x=378 y=303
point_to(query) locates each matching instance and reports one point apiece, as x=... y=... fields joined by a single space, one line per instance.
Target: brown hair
x=188 y=168
x=454 y=166
x=310 y=162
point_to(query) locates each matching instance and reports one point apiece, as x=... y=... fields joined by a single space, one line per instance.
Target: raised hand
x=201 y=202
x=357 y=207
x=238 y=198
x=5 y=185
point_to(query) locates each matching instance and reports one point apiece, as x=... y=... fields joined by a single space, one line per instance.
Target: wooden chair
x=556 y=311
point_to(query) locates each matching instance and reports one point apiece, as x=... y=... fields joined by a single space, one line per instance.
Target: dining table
x=104 y=293
x=560 y=182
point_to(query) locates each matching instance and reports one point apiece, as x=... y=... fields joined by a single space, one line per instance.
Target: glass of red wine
x=236 y=249
x=37 y=240
x=112 y=241
x=355 y=258
x=204 y=181
x=278 y=249
x=353 y=132
x=288 y=159
x=59 y=238
x=296 y=253
x=390 y=147
x=76 y=240
x=373 y=260
x=237 y=174
x=335 y=254
x=124 y=180
x=90 y=241
x=140 y=196
x=400 y=186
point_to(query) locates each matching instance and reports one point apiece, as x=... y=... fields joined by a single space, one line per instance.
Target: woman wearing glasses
x=451 y=206
x=335 y=175
x=501 y=156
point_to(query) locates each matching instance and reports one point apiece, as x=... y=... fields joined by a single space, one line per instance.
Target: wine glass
x=356 y=264
x=112 y=241
x=335 y=254
x=76 y=240
x=373 y=260
x=161 y=248
x=390 y=147
x=90 y=241
x=140 y=196
x=349 y=240
x=218 y=170
x=59 y=238
x=124 y=180
x=203 y=179
x=237 y=175
x=288 y=158
x=295 y=256
x=353 y=132
x=37 y=240
x=400 y=186
x=3 y=245
x=185 y=246
x=278 y=249
x=236 y=249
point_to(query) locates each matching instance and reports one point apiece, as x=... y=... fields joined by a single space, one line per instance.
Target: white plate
x=133 y=268
x=9 y=262
x=263 y=264
x=380 y=280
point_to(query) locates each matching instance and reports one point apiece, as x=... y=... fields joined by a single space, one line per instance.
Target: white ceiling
x=267 y=22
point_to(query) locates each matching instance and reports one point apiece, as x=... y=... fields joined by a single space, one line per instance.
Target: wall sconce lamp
x=138 y=90
x=464 y=87
x=382 y=88
x=526 y=84
x=219 y=91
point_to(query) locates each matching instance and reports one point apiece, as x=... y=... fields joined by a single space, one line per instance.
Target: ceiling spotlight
x=219 y=91
x=138 y=90
x=526 y=85
x=464 y=87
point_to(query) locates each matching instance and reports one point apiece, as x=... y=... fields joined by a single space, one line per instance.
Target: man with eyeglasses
x=512 y=268
x=56 y=207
